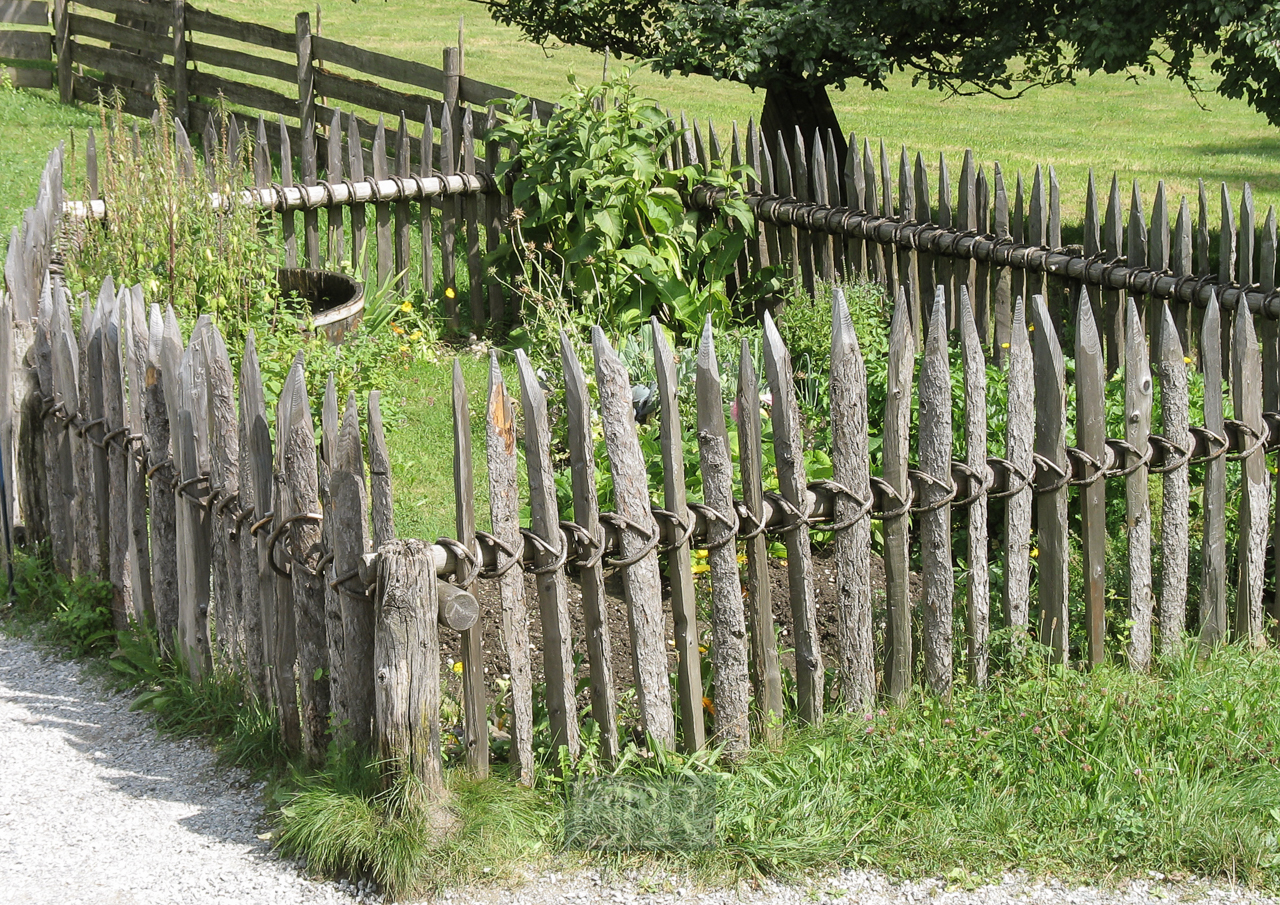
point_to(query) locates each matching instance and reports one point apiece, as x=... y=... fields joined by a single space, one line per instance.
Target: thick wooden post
x=978 y=592
x=406 y=663
x=161 y=481
x=1246 y=387
x=351 y=542
x=224 y=489
x=1019 y=445
x=1138 y=392
x=250 y=512
x=896 y=438
x=1175 y=520
x=1091 y=433
x=1213 y=551
x=1051 y=503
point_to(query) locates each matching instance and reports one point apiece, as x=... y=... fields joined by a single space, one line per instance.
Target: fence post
x=307 y=120
x=62 y=42
x=181 y=108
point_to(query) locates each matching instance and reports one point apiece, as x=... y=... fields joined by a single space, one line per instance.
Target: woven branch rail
x=926 y=237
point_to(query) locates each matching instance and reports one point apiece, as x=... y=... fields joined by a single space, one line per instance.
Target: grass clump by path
x=1048 y=771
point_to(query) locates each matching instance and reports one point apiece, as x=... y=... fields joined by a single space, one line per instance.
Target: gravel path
x=96 y=808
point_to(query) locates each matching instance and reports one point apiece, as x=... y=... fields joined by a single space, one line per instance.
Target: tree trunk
x=789 y=106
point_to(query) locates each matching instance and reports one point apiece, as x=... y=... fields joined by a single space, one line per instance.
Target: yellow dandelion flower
x=708 y=706
x=700 y=554
x=1035 y=553
x=1004 y=345
x=699 y=568
x=407 y=306
x=1031 y=328
x=1186 y=359
x=396 y=328
x=416 y=335
x=404 y=348
x=449 y=293
x=457 y=667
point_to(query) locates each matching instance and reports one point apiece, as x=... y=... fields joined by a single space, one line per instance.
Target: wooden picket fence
x=272 y=543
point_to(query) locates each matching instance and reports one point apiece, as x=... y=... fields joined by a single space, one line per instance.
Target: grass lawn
x=1148 y=130
x=32 y=123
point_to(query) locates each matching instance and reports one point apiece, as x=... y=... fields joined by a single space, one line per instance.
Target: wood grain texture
x=252 y=408
x=191 y=449
x=1138 y=393
x=978 y=586
x=384 y=527
x=350 y=544
x=1019 y=447
x=1213 y=550
x=788 y=448
x=135 y=343
x=553 y=592
x=641 y=581
x=728 y=622
x=896 y=440
x=765 y=671
x=161 y=503
x=224 y=483
x=1246 y=392
x=504 y=513
x=120 y=559
x=475 y=714
x=301 y=547
x=1001 y=291
x=586 y=513
x=1175 y=424
x=1051 y=505
x=92 y=511
x=1113 y=313
x=1091 y=433
x=407 y=663
x=334 y=632
x=938 y=577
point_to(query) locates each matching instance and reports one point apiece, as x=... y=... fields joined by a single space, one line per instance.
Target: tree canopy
x=795 y=49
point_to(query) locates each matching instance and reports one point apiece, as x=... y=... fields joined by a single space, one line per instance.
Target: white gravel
x=96 y=808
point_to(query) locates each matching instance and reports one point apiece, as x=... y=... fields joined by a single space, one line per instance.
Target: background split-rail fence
x=141 y=458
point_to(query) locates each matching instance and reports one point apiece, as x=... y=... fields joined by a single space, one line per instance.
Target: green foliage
x=78 y=611
x=1003 y=48
x=600 y=232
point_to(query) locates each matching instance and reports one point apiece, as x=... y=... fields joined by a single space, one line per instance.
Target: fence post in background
x=1001 y=291
x=1174 y=522
x=350 y=535
x=551 y=546
x=504 y=513
x=1226 y=271
x=1138 y=393
x=1213 y=554
x=908 y=274
x=1019 y=440
x=298 y=532
x=355 y=171
x=494 y=204
x=897 y=436
x=333 y=175
x=728 y=624
x=381 y=209
x=788 y=444
x=1157 y=260
x=978 y=591
x=469 y=204
x=944 y=267
x=289 y=220
x=963 y=270
x=449 y=210
x=426 y=171
x=923 y=213
x=1246 y=386
x=935 y=519
x=1051 y=506
x=402 y=207
x=62 y=47
x=590 y=573
x=854 y=187
x=181 y=101
x=1091 y=432
x=407 y=663
x=851 y=462
x=1113 y=314
x=307 y=118
x=765 y=670
x=252 y=592
x=475 y=716
x=1037 y=233
x=982 y=289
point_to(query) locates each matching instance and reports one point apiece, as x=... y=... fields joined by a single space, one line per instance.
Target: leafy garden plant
x=600 y=232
